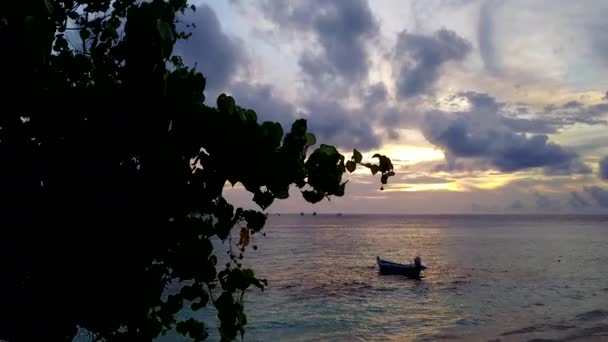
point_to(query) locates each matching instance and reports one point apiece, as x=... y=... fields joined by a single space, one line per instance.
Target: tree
x=112 y=170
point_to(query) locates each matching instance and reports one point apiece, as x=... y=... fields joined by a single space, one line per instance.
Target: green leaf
x=226 y=104
x=374 y=169
x=310 y=139
x=299 y=127
x=328 y=149
x=251 y=116
x=351 y=166
x=273 y=132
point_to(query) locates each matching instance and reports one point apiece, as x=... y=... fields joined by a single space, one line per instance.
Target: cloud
x=485 y=35
x=217 y=55
x=484 y=134
x=343 y=127
x=545 y=203
x=426 y=180
x=574 y=112
x=517 y=204
x=330 y=121
x=604 y=168
x=599 y=195
x=420 y=59
x=341 y=28
x=577 y=201
x=268 y=105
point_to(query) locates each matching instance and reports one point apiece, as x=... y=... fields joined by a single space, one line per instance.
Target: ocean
x=489 y=278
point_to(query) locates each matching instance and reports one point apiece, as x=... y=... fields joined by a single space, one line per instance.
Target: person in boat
x=418 y=263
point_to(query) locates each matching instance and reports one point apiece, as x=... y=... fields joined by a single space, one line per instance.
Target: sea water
x=489 y=277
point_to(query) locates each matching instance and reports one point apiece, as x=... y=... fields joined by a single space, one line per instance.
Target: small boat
x=408 y=270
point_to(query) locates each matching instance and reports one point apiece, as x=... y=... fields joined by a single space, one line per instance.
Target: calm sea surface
x=512 y=278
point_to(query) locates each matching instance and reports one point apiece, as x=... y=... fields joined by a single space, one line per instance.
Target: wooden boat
x=408 y=270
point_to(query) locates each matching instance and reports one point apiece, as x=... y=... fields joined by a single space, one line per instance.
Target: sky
x=483 y=106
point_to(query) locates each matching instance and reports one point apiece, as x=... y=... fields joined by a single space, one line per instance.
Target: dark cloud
x=572 y=104
x=341 y=28
x=329 y=120
x=488 y=104
x=375 y=95
x=522 y=125
x=545 y=203
x=420 y=58
x=484 y=134
x=574 y=112
x=517 y=204
x=262 y=99
x=217 y=55
x=577 y=201
x=604 y=168
x=599 y=195
x=340 y=126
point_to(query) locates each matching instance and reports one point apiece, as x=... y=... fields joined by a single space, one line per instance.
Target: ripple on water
x=592 y=315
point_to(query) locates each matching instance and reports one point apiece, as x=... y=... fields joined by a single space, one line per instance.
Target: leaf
x=251 y=116
x=384 y=179
x=374 y=168
x=299 y=127
x=165 y=31
x=85 y=34
x=357 y=157
x=49 y=6
x=225 y=104
x=341 y=189
x=273 y=132
x=351 y=166
x=312 y=196
x=192 y=327
x=173 y=303
x=310 y=139
x=328 y=149
x=190 y=292
x=255 y=220
x=263 y=199
x=282 y=194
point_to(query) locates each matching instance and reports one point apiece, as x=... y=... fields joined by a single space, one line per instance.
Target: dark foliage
x=112 y=170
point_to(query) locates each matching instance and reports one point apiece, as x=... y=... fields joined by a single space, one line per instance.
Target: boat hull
x=393 y=268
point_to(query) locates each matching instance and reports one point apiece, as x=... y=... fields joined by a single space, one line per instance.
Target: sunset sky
x=483 y=106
